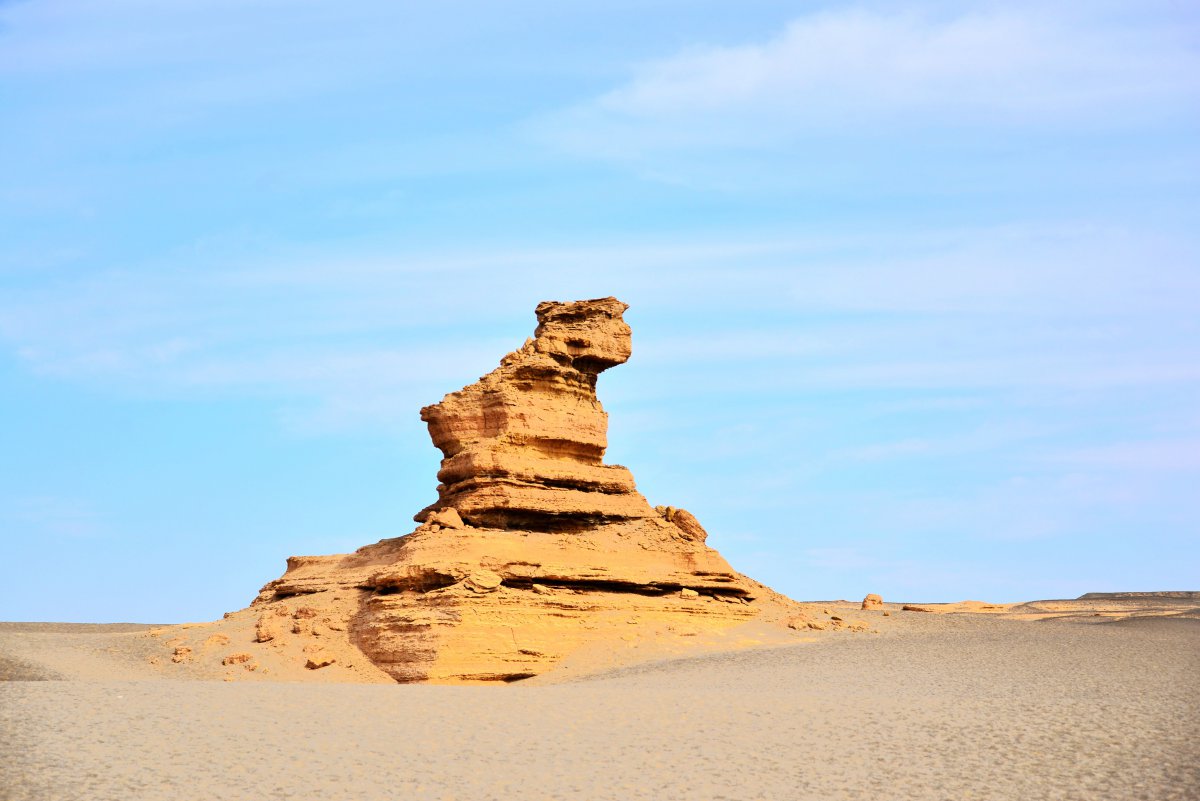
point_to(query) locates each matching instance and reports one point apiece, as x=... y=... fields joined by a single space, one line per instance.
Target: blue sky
x=915 y=287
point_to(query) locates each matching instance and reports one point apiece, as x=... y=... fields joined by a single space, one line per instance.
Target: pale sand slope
x=936 y=707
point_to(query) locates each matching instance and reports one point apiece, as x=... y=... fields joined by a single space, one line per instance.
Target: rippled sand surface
x=938 y=707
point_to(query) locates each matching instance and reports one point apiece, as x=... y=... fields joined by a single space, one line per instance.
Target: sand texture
x=937 y=706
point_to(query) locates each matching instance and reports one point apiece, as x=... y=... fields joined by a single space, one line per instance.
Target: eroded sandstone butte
x=534 y=546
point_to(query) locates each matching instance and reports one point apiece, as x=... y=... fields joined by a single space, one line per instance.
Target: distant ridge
x=1094 y=596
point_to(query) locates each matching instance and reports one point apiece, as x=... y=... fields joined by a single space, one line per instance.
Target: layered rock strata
x=524 y=446
x=534 y=545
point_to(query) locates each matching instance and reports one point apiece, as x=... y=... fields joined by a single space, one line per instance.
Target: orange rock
x=266 y=629
x=483 y=581
x=236 y=659
x=534 y=545
x=523 y=446
x=446 y=518
x=319 y=660
x=689 y=527
x=872 y=601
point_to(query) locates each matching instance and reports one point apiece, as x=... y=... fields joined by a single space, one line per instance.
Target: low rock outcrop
x=872 y=601
x=534 y=545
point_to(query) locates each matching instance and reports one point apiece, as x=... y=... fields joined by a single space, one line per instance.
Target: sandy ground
x=1085 y=703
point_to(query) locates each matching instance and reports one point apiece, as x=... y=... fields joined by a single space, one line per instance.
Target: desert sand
x=1089 y=699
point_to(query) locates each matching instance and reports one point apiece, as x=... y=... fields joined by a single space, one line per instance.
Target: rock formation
x=534 y=546
x=872 y=601
x=524 y=446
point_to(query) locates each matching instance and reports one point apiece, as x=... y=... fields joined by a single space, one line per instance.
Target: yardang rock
x=534 y=546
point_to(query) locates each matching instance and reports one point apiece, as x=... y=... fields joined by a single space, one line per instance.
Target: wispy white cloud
x=973 y=308
x=850 y=71
x=1052 y=269
x=1173 y=455
x=995 y=436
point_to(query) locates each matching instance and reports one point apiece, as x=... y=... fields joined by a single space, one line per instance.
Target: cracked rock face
x=534 y=546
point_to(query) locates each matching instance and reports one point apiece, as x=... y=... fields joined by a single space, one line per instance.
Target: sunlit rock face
x=524 y=445
x=534 y=547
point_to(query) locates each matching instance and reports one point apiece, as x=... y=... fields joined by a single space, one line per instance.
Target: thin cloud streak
x=1174 y=455
x=1013 y=66
x=973 y=309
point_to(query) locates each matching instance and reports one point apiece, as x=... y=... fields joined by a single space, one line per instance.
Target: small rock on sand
x=319 y=660
x=266 y=629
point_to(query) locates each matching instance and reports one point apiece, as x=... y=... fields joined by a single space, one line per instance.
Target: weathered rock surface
x=534 y=545
x=523 y=447
x=872 y=601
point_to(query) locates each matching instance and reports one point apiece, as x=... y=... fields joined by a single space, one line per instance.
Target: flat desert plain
x=1088 y=699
